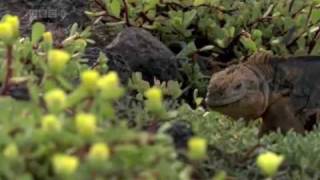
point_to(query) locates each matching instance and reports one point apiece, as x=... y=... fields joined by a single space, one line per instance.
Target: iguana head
x=238 y=91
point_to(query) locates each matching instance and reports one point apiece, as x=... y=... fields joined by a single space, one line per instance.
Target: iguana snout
x=236 y=91
x=224 y=89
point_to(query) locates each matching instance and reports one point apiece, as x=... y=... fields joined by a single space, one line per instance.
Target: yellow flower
x=154 y=99
x=57 y=60
x=6 y=32
x=55 y=100
x=197 y=148
x=14 y=23
x=11 y=151
x=9 y=28
x=269 y=163
x=109 y=85
x=154 y=94
x=50 y=123
x=65 y=164
x=99 y=151
x=86 y=124
x=109 y=80
x=47 y=37
x=89 y=80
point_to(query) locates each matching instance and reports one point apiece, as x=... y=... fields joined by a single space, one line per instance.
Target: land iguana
x=283 y=91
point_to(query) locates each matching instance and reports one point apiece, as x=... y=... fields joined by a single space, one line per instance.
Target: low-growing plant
x=69 y=127
x=79 y=122
x=236 y=27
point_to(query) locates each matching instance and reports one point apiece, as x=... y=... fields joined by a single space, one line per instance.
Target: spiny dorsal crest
x=259 y=58
x=261 y=61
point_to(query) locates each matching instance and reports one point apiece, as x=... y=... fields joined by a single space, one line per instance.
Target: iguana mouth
x=226 y=100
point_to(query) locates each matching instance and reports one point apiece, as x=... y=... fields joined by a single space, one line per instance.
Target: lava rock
x=19 y=92
x=103 y=34
x=180 y=132
x=144 y=53
x=115 y=63
x=91 y=55
x=120 y=65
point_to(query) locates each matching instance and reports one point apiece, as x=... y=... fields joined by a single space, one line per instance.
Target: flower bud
x=86 y=124
x=89 y=80
x=154 y=99
x=269 y=163
x=55 y=100
x=65 y=164
x=154 y=94
x=47 y=42
x=6 y=32
x=109 y=85
x=11 y=151
x=109 y=80
x=47 y=37
x=80 y=44
x=99 y=152
x=14 y=23
x=197 y=148
x=50 y=123
x=57 y=60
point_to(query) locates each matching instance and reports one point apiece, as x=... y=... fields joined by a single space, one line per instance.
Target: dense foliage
x=231 y=28
x=82 y=123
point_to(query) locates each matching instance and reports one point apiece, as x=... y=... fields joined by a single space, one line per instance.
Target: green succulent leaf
x=37 y=31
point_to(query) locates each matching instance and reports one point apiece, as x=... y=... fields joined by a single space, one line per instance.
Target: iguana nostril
x=238 y=86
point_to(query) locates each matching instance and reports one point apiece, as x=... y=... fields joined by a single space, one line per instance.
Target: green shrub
x=233 y=28
x=73 y=130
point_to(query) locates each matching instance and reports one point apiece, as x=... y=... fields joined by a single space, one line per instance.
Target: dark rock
x=114 y=63
x=120 y=65
x=180 y=132
x=19 y=92
x=91 y=54
x=104 y=34
x=144 y=53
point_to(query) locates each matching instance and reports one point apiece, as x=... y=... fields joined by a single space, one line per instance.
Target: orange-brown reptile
x=284 y=91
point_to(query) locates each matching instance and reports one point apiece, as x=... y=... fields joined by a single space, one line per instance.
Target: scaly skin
x=285 y=92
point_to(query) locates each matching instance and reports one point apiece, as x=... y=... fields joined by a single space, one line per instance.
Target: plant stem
x=126 y=12
x=102 y=6
x=9 y=71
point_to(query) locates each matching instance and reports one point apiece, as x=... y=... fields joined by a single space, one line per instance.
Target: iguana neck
x=267 y=72
x=264 y=74
x=263 y=63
